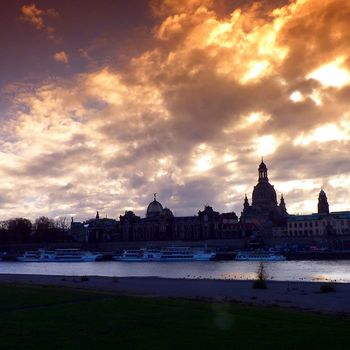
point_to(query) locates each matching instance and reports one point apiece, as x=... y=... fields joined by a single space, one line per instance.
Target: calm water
x=284 y=270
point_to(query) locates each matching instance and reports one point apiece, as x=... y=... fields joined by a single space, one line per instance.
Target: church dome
x=154 y=208
x=264 y=194
x=167 y=213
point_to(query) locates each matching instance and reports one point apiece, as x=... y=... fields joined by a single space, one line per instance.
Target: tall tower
x=282 y=206
x=246 y=203
x=323 y=206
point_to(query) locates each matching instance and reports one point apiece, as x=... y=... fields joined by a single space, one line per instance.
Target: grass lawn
x=57 y=318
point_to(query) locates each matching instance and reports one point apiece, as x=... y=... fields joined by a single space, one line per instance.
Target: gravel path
x=299 y=295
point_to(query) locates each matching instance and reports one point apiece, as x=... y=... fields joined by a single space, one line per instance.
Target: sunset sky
x=105 y=102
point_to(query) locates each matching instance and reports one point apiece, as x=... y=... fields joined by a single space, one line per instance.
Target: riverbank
x=295 y=295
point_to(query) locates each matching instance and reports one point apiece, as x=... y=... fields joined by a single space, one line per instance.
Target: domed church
x=264 y=207
x=154 y=209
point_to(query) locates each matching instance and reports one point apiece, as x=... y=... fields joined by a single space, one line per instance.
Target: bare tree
x=62 y=223
x=261 y=277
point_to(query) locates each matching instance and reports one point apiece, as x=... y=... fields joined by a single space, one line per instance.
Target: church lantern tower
x=263 y=172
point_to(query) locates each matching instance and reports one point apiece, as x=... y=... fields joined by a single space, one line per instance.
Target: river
x=336 y=270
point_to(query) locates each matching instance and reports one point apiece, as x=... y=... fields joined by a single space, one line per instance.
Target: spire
x=323 y=206
x=282 y=206
x=155 y=197
x=246 y=202
x=97 y=215
x=282 y=198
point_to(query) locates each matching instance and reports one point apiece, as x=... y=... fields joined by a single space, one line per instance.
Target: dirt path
x=299 y=295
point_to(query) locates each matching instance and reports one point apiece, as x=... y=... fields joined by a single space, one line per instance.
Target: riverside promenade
x=296 y=295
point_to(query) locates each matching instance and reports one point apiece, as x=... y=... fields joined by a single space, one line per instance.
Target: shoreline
x=301 y=295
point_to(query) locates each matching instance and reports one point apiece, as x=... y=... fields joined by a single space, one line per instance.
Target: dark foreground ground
x=34 y=317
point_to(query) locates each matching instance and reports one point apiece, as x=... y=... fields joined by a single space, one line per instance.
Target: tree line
x=43 y=229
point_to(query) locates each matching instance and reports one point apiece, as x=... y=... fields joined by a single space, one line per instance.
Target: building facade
x=323 y=223
x=160 y=224
x=95 y=230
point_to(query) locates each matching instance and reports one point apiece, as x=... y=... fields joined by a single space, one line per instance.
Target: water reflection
x=238 y=270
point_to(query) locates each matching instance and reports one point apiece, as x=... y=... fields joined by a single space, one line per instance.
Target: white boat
x=259 y=256
x=58 y=255
x=130 y=255
x=165 y=254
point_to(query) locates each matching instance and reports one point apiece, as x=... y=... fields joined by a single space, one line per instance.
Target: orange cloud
x=61 y=57
x=35 y=16
x=316 y=34
x=243 y=46
x=165 y=8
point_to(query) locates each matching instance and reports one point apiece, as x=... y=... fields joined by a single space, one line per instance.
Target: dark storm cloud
x=315 y=161
x=54 y=164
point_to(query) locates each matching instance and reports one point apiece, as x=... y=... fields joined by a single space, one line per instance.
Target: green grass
x=57 y=318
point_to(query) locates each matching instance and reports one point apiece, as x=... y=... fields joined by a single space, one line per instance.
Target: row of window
x=305 y=224
x=304 y=232
x=312 y=223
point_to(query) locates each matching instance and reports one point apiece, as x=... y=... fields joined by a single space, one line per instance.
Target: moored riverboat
x=168 y=254
x=59 y=255
x=259 y=256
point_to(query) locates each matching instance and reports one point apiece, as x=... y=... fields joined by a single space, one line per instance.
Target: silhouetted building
x=322 y=207
x=78 y=231
x=160 y=224
x=127 y=225
x=264 y=217
x=95 y=230
x=264 y=208
x=311 y=225
x=323 y=223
